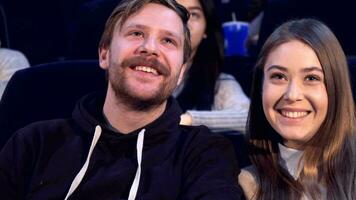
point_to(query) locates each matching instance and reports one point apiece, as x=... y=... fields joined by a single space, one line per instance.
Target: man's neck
x=123 y=118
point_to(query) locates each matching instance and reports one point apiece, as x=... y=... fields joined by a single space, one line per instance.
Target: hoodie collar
x=88 y=114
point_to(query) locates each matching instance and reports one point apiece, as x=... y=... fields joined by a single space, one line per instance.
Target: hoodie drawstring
x=82 y=171
x=134 y=187
x=139 y=148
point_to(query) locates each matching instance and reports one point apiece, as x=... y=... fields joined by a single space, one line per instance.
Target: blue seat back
x=47 y=91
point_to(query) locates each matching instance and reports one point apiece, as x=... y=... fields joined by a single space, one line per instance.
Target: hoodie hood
x=89 y=114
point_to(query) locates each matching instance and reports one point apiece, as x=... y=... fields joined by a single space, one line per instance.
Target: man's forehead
x=156 y=16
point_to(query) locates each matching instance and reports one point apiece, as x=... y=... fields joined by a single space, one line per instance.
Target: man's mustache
x=144 y=61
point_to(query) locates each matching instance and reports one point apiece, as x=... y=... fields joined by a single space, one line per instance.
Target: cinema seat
x=47 y=91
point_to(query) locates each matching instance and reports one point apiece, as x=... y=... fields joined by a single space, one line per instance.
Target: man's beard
x=124 y=94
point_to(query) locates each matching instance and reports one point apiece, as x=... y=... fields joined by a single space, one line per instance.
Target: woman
x=10 y=62
x=208 y=96
x=301 y=125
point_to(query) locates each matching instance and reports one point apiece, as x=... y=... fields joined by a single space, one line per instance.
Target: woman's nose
x=294 y=92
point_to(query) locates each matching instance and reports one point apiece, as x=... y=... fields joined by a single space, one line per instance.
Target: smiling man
x=127 y=144
x=145 y=59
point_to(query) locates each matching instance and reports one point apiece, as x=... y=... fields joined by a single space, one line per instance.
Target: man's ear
x=182 y=73
x=104 y=57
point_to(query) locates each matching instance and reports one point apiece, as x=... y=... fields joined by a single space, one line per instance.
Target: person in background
x=127 y=143
x=10 y=62
x=301 y=125
x=208 y=96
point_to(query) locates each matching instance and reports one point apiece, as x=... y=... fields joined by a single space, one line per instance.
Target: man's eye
x=136 y=34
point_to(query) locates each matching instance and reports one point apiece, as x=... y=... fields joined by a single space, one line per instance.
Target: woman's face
x=197 y=22
x=294 y=95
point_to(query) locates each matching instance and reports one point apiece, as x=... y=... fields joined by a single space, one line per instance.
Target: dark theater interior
x=60 y=40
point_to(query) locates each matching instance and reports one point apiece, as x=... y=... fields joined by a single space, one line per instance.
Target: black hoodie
x=41 y=160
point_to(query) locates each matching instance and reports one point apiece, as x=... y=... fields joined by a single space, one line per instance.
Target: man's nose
x=149 y=47
x=294 y=92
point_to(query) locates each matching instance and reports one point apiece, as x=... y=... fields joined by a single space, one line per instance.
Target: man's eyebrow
x=172 y=34
x=166 y=32
x=139 y=26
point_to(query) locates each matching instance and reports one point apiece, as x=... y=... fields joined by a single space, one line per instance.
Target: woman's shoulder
x=13 y=59
x=249 y=174
x=248 y=181
x=226 y=80
x=225 y=76
x=10 y=52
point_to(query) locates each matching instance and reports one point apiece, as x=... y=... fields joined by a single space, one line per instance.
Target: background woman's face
x=294 y=95
x=197 y=22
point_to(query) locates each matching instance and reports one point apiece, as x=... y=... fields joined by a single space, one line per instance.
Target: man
x=127 y=144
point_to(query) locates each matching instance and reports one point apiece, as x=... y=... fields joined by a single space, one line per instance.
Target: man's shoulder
x=204 y=136
x=200 y=131
x=46 y=128
x=51 y=124
x=42 y=133
x=210 y=165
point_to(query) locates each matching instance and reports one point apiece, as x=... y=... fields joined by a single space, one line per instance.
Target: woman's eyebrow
x=276 y=67
x=312 y=68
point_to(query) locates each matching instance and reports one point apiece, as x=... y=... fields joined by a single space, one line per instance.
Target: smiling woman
x=294 y=96
x=301 y=127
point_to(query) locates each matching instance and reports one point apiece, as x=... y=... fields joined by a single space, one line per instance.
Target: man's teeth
x=293 y=114
x=146 y=69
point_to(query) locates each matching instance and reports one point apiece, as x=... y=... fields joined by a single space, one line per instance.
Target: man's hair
x=126 y=8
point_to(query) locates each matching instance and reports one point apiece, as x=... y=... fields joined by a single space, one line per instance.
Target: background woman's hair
x=199 y=90
x=329 y=156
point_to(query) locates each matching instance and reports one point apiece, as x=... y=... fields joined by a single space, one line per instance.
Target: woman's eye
x=312 y=78
x=278 y=76
x=195 y=15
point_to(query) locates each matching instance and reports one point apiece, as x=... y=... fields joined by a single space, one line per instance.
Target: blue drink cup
x=236 y=34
